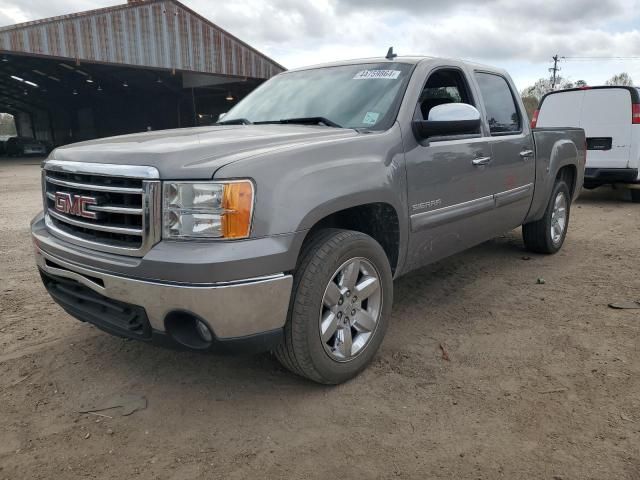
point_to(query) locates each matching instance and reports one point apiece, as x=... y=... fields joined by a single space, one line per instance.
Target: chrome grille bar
x=108 y=208
x=93 y=187
x=115 y=209
x=94 y=226
x=104 y=169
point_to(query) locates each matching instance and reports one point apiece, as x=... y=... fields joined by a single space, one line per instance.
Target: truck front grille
x=118 y=216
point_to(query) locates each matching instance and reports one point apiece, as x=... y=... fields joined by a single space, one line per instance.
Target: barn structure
x=148 y=64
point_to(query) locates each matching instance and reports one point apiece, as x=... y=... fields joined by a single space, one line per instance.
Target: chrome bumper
x=232 y=310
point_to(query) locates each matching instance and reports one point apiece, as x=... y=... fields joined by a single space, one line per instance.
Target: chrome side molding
x=458 y=211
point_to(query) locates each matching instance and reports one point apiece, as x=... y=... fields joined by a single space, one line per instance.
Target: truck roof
x=410 y=59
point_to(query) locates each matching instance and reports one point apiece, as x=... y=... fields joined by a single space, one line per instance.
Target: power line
x=600 y=58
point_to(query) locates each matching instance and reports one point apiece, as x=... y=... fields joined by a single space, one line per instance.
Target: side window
x=443 y=86
x=502 y=113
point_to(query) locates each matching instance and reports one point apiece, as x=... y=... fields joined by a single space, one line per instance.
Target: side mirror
x=221 y=116
x=448 y=119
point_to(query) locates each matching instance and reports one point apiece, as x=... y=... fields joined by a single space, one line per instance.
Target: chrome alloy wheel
x=558 y=217
x=351 y=308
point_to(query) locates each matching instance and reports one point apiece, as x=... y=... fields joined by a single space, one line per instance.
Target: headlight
x=207 y=210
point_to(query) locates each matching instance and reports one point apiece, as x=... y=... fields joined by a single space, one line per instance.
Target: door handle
x=481 y=161
x=526 y=153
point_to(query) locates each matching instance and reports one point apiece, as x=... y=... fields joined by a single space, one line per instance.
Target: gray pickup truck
x=283 y=227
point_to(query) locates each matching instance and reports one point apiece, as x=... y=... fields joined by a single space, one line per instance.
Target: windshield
x=349 y=96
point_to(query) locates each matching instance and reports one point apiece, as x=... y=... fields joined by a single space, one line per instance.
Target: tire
x=538 y=235
x=635 y=196
x=318 y=275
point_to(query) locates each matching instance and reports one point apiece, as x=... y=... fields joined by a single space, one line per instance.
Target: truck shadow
x=422 y=300
x=448 y=277
x=604 y=195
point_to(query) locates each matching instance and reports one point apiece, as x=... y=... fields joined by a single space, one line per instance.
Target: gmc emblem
x=75 y=205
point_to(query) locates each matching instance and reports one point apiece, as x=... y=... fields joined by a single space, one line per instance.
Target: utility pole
x=554 y=70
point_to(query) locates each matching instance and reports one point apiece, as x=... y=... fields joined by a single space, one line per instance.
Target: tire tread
x=292 y=352
x=536 y=234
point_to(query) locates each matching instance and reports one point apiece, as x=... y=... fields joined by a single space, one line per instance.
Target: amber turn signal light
x=237 y=203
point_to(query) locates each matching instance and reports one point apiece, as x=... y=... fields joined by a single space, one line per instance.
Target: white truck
x=610 y=116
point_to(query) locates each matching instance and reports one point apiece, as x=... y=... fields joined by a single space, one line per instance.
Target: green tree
x=543 y=86
x=530 y=105
x=623 y=79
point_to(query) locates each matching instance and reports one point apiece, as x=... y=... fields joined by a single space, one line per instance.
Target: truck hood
x=197 y=153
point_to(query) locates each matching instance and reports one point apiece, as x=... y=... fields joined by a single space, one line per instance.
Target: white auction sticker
x=380 y=74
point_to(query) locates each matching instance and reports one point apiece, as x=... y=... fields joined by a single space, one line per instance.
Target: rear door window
x=502 y=113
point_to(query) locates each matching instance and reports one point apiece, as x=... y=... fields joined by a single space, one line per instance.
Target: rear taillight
x=534 y=119
x=635 y=113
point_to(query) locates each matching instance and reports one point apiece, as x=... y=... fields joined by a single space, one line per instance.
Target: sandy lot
x=542 y=382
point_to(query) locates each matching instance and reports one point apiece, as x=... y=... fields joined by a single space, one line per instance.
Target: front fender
x=360 y=182
x=299 y=186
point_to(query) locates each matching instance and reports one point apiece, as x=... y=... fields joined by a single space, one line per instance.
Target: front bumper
x=247 y=312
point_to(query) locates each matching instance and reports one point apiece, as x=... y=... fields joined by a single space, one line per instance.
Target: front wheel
x=547 y=234
x=341 y=302
x=635 y=196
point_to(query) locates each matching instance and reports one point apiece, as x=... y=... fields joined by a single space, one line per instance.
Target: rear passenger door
x=512 y=151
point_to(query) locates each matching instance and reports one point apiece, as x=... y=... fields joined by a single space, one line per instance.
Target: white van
x=610 y=117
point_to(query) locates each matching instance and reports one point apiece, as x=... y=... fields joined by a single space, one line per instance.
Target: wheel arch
x=379 y=220
x=568 y=173
x=560 y=162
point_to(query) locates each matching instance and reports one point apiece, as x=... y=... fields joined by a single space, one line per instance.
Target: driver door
x=449 y=197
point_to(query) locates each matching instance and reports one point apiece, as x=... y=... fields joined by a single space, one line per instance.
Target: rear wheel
x=635 y=196
x=341 y=302
x=547 y=234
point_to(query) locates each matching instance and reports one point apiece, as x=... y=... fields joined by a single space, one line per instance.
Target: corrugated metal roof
x=152 y=33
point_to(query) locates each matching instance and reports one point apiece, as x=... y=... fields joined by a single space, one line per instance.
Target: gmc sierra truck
x=283 y=226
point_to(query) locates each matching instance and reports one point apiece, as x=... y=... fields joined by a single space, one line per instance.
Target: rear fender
x=563 y=152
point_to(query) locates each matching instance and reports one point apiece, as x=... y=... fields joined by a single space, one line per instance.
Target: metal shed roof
x=144 y=33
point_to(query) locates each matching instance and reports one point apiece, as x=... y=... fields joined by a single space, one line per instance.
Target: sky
x=518 y=35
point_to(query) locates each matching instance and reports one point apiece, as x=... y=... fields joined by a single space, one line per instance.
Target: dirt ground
x=542 y=379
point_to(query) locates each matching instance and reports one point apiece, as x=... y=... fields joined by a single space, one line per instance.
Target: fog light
x=203 y=331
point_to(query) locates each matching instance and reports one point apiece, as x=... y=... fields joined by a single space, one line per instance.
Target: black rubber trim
x=113 y=317
x=603 y=176
x=118 y=318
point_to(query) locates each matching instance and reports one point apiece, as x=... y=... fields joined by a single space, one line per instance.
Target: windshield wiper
x=305 y=121
x=236 y=121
